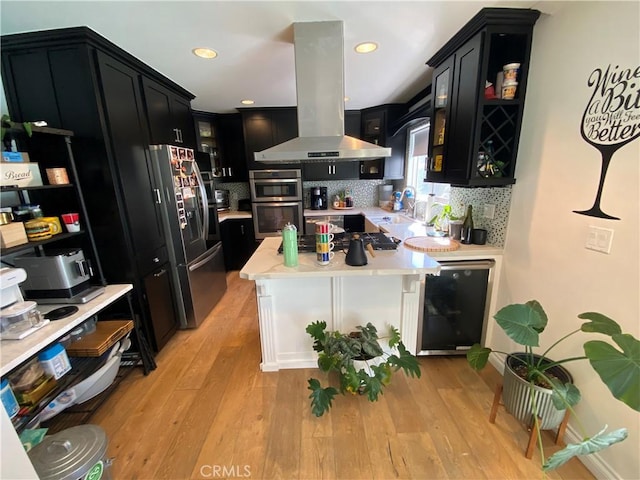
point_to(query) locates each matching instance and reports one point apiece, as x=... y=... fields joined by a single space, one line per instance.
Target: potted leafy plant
x=6 y=124
x=618 y=368
x=363 y=366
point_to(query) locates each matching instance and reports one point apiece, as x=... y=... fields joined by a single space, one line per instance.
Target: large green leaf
x=534 y=304
x=406 y=361
x=328 y=362
x=477 y=356
x=321 y=398
x=599 y=324
x=591 y=445
x=522 y=323
x=373 y=385
x=317 y=331
x=620 y=371
x=349 y=380
x=564 y=395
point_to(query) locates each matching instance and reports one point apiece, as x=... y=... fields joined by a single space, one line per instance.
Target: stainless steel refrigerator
x=192 y=234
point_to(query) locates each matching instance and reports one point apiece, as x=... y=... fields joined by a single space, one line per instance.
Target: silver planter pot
x=516 y=394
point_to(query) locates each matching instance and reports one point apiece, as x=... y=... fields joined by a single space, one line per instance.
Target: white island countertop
x=266 y=263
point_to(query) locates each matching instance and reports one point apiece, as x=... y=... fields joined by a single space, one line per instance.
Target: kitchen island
x=389 y=290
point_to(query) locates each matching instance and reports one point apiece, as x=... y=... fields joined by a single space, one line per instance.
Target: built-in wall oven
x=456 y=307
x=276 y=199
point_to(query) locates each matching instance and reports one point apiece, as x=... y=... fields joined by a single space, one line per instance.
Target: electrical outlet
x=599 y=239
x=489 y=211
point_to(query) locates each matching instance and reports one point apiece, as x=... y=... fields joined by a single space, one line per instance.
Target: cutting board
x=432 y=244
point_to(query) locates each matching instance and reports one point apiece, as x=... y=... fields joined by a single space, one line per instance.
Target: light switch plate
x=489 y=211
x=599 y=239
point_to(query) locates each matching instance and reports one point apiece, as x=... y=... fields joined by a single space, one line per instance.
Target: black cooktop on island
x=379 y=241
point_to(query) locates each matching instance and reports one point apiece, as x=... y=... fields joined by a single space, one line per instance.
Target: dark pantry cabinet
x=473 y=139
x=83 y=82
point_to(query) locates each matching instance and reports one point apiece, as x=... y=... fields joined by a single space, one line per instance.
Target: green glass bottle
x=467 y=226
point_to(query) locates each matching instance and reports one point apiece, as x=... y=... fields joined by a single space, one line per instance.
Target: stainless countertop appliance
x=190 y=222
x=222 y=199
x=62 y=276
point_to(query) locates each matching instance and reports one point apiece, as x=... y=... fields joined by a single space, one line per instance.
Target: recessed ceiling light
x=366 y=47
x=205 y=52
x=247 y=102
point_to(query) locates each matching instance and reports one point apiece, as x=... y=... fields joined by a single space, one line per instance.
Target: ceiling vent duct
x=319 y=57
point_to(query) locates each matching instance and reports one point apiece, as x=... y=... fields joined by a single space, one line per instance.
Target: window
x=416 y=161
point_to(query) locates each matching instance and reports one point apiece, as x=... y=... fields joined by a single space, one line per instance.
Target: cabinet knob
x=361 y=168
x=242 y=229
x=156 y=260
x=230 y=174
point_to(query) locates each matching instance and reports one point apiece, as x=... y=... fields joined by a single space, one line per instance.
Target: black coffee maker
x=319 y=198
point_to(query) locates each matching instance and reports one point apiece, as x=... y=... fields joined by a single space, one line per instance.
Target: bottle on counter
x=467 y=227
x=290 y=245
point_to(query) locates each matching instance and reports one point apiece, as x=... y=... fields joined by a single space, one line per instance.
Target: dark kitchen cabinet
x=170 y=118
x=123 y=108
x=376 y=128
x=221 y=145
x=474 y=138
x=238 y=242
x=330 y=171
x=157 y=292
x=97 y=90
x=264 y=128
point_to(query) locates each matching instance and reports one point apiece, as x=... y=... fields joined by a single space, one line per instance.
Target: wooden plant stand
x=532 y=437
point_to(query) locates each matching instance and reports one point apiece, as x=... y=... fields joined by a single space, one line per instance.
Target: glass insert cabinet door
x=442 y=82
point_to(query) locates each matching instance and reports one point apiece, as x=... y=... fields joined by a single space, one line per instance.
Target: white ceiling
x=254 y=41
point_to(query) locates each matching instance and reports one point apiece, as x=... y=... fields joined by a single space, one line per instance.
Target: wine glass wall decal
x=611 y=119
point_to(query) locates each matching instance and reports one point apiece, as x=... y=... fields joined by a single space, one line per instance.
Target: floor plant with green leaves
x=617 y=364
x=362 y=365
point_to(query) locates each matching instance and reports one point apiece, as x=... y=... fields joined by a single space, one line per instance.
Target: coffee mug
x=324 y=258
x=5 y=218
x=479 y=236
x=324 y=227
x=71 y=222
x=324 y=247
x=54 y=222
x=324 y=237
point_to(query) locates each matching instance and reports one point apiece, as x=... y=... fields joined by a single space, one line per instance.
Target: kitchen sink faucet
x=410 y=200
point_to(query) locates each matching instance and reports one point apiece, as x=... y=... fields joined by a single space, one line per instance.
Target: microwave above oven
x=276 y=185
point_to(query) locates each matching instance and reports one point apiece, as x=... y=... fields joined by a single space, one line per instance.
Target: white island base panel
x=287 y=306
x=389 y=290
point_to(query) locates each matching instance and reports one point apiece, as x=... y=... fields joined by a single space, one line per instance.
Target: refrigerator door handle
x=158 y=196
x=205 y=202
x=214 y=252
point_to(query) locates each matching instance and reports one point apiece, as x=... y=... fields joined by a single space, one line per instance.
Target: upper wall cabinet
x=376 y=129
x=221 y=145
x=474 y=133
x=169 y=114
x=266 y=127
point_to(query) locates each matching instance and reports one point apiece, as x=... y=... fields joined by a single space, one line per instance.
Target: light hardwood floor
x=209 y=412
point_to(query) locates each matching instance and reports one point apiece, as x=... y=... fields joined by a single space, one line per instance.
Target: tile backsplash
x=365 y=194
x=478 y=198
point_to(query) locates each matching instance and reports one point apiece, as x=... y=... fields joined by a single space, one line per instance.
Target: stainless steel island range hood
x=319 y=57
